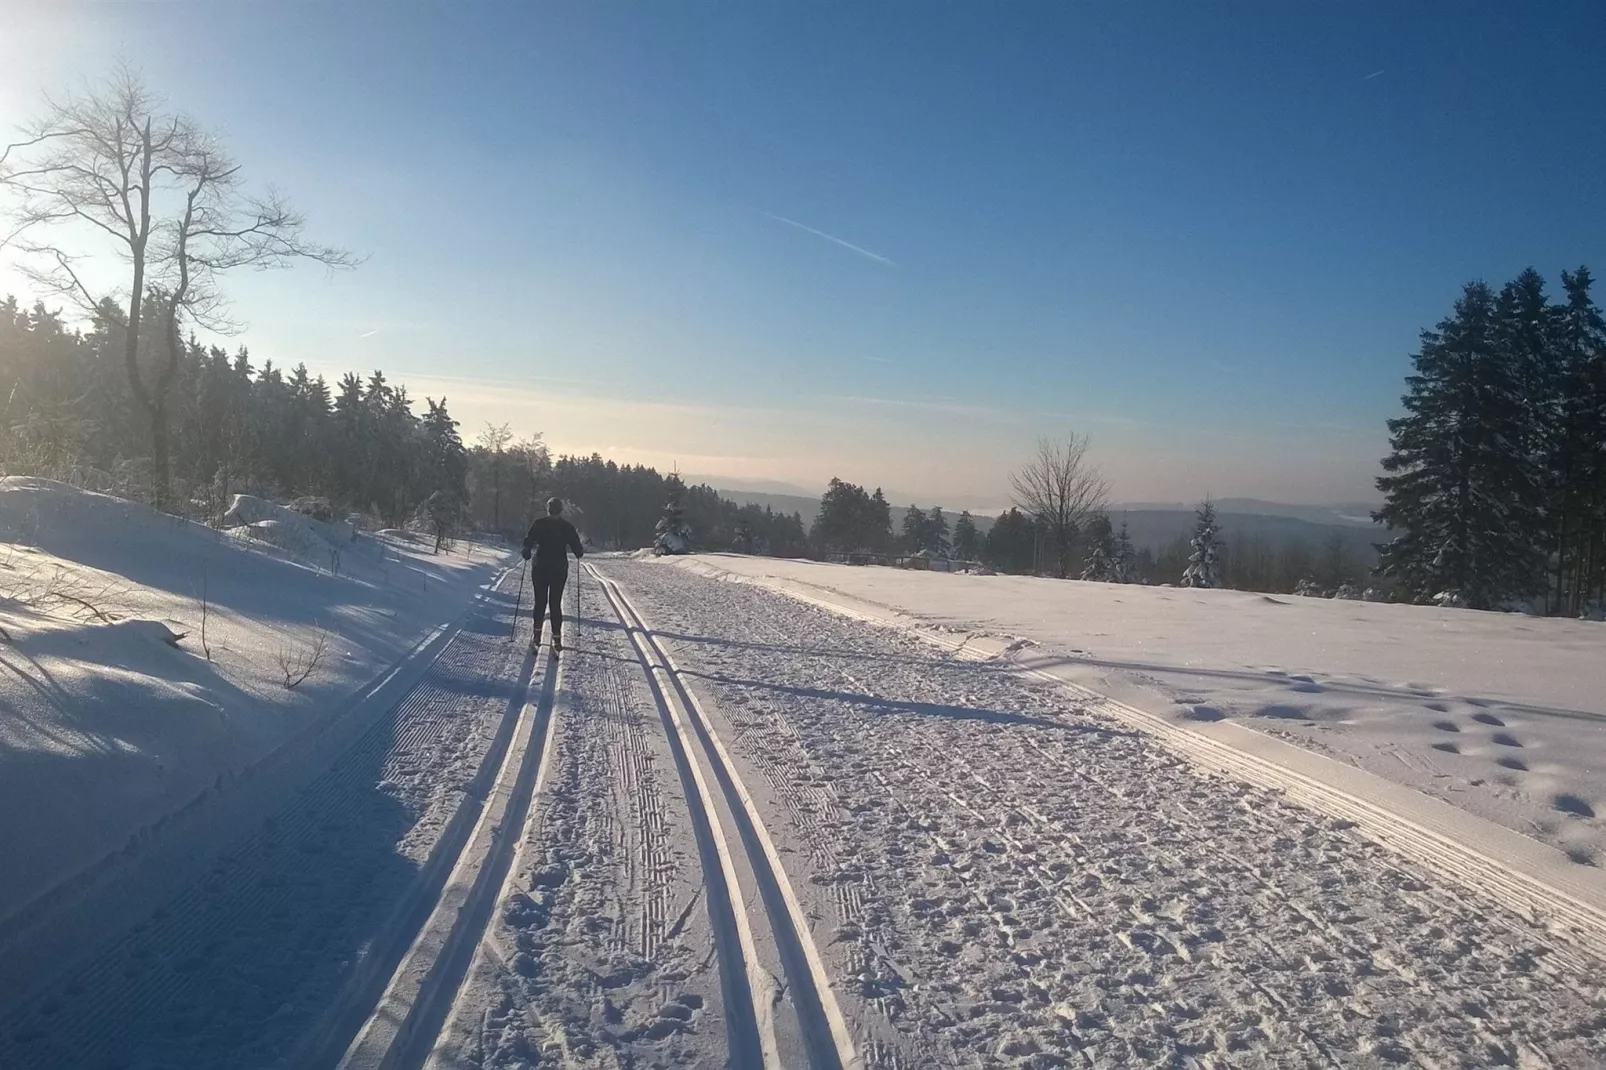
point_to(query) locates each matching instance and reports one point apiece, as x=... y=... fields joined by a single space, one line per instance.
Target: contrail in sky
x=1369 y=77
x=369 y=334
x=828 y=237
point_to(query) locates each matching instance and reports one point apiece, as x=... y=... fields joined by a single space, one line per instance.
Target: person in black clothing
x=551 y=538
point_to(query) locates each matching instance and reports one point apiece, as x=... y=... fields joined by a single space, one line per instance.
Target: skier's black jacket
x=552 y=537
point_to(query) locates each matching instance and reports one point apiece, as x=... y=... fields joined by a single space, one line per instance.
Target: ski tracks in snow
x=735 y=829
x=649 y=918
x=1004 y=877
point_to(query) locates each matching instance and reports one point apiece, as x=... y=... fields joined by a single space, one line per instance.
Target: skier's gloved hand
x=526 y=553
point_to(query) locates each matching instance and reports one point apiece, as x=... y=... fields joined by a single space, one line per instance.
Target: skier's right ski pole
x=518 y=600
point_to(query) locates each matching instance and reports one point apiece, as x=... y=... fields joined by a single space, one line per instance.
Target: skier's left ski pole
x=518 y=600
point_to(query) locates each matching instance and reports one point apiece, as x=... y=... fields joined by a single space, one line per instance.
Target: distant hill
x=781 y=503
x=1158 y=528
x=1350 y=514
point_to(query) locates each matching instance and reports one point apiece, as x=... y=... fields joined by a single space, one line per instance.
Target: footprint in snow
x=1572 y=804
x=1489 y=719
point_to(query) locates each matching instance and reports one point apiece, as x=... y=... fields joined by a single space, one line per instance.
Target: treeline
x=242 y=427
x=235 y=426
x=1496 y=485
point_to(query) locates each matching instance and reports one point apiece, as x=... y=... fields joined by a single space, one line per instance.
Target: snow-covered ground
x=1502 y=715
x=989 y=874
x=107 y=727
x=738 y=827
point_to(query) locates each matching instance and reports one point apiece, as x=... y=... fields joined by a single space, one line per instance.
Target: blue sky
x=890 y=241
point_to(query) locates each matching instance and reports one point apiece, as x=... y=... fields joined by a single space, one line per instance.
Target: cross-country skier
x=551 y=537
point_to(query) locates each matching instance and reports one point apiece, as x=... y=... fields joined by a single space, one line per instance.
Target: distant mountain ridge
x=1354 y=514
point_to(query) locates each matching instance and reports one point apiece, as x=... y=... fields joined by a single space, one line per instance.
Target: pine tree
x=673 y=534
x=1204 y=569
x=1126 y=563
x=875 y=531
x=1580 y=465
x=914 y=530
x=1465 y=489
x=1011 y=543
x=967 y=543
x=1102 y=561
x=934 y=537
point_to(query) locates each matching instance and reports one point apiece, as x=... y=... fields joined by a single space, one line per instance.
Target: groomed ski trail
x=591 y=958
x=1035 y=883
x=825 y=1033
x=401 y=1029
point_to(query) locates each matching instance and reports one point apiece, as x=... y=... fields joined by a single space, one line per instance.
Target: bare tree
x=1061 y=490
x=113 y=167
x=494 y=439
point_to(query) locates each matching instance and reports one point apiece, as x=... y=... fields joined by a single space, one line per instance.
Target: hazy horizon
x=892 y=243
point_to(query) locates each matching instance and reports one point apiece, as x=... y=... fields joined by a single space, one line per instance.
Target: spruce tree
x=1204 y=568
x=914 y=530
x=934 y=537
x=673 y=536
x=1465 y=489
x=1126 y=562
x=1102 y=562
x=1581 y=465
x=967 y=543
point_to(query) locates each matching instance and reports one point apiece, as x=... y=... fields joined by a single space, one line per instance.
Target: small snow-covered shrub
x=1348 y=591
x=317 y=508
x=1309 y=588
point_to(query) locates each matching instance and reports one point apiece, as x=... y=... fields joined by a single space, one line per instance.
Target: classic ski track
x=1580 y=927
x=133 y=992
x=405 y=1024
x=826 y=1035
x=598 y=846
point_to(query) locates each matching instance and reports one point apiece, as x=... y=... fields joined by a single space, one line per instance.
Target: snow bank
x=1502 y=715
x=301 y=535
x=107 y=725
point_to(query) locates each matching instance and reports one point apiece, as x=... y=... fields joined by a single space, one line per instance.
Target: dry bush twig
x=298 y=665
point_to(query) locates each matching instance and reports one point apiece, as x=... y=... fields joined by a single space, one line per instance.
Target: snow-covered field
x=749 y=827
x=107 y=727
x=1502 y=715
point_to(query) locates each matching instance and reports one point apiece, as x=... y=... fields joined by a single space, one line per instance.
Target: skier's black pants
x=549 y=596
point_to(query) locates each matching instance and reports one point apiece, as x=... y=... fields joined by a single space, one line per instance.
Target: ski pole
x=518 y=600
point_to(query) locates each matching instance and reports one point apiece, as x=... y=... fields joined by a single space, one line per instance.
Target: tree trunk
x=162 y=491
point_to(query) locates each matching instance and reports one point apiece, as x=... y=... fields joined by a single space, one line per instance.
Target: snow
x=764 y=813
x=1502 y=715
x=108 y=728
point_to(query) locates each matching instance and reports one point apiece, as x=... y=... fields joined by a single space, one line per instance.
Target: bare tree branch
x=1061 y=490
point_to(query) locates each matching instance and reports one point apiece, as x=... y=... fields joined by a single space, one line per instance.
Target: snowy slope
x=1502 y=715
x=106 y=726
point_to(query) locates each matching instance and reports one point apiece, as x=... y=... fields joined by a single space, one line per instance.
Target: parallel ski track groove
x=825 y=1033
x=749 y=1036
x=253 y=890
x=521 y=781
